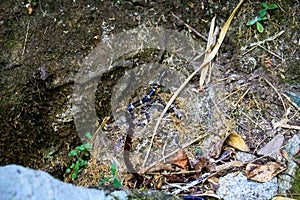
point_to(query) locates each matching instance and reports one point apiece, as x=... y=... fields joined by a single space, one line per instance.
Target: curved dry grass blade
x=209 y=45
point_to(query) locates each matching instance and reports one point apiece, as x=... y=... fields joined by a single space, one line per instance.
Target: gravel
x=234 y=186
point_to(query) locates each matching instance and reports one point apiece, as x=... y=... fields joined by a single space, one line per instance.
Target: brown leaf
x=181 y=160
x=203 y=162
x=217 y=148
x=285 y=154
x=236 y=141
x=172 y=178
x=268 y=62
x=296 y=157
x=263 y=173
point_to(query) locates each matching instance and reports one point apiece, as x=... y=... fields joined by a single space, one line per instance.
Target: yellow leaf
x=236 y=141
x=282 y=198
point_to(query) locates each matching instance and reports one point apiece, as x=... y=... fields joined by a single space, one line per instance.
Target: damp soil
x=41 y=53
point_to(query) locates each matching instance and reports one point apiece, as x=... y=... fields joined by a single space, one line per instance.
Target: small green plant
x=116 y=182
x=79 y=153
x=262 y=16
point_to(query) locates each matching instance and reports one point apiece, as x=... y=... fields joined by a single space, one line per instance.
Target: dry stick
x=189 y=27
x=242 y=97
x=274 y=54
x=26 y=36
x=209 y=58
x=255 y=44
x=280 y=97
x=229 y=95
x=290 y=126
x=267 y=40
x=293 y=103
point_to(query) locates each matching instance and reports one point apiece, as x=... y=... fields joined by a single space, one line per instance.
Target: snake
x=131 y=127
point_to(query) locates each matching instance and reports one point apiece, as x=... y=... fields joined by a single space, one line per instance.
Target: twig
x=275 y=89
x=252 y=120
x=290 y=126
x=229 y=95
x=253 y=45
x=235 y=105
x=274 y=54
x=209 y=58
x=293 y=103
x=189 y=27
x=25 y=42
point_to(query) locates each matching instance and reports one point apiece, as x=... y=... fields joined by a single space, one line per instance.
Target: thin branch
x=25 y=42
x=280 y=97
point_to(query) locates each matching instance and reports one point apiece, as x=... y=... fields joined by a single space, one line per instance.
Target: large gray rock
x=20 y=183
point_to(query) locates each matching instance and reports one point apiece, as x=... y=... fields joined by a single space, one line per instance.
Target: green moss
x=296 y=186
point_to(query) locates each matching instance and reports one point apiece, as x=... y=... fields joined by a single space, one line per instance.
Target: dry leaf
x=216 y=149
x=272 y=148
x=236 y=141
x=210 y=44
x=268 y=62
x=263 y=173
x=285 y=154
x=172 y=178
x=203 y=162
x=181 y=160
x=158 y=180
x=282 y=198
x=296 y=157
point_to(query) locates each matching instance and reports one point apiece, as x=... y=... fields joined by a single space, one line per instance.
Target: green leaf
x=74 y=176
x=113 y=168
x=77 y=165
x=86 y=153
x=88 y=135
x=272 y=6
x=259 y=27
x=261 y=18
x=105 y=180
x=88 y=146
x=262 y=12
x=73 y=153
x=117 y=183
x=72 y=166
x=68 y=170
x=251 y=22
x=264 y=4
x=81 y=147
